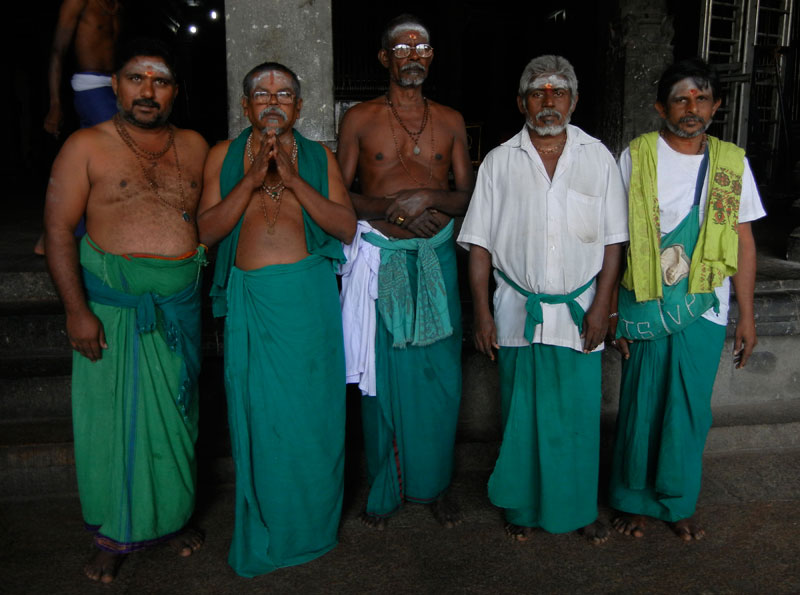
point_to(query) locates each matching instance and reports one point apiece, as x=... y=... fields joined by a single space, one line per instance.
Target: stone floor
x=750 y=506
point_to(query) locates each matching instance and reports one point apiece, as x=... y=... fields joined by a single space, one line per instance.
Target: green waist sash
x=179 y=321
x=429 y=321
x=533 y=305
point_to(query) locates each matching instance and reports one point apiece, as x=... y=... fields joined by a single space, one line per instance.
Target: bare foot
x=187 y=541
x=446 y=512
x=630 y=524
x=38 y=247
x=595 y=532
x=688 y=529
x=103 y=566
x=372 y=521
x=518 y=532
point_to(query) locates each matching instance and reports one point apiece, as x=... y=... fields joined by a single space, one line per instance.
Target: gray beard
x=412 y=81
x=674 y=129
x=552 y=129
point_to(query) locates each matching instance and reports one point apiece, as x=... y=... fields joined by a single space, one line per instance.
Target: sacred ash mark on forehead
x=413 y=32
x=270 y=76
x=151 y=67
x=549 y=81
x=687 y=87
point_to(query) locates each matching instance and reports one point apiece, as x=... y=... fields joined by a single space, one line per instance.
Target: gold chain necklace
x=142 y=155
x=274 y=191
x=551 y=150
x=427 y=117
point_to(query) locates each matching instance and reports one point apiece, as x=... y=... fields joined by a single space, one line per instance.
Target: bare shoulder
x=89 y=141
x=192 y=142
x=217 y=155
x=452 y=118
x=191 y=138
x=362 y=113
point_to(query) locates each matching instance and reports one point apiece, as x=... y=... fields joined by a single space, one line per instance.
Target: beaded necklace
x=142 y=155
x=274 y=191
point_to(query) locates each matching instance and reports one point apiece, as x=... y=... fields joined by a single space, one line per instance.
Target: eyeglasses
x=284 y=97
x=403 y=50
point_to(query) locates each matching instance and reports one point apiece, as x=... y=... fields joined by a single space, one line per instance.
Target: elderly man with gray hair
x=548 y=215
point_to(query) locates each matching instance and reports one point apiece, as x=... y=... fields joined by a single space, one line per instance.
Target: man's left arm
x=595 y=321
x=409 y=204
x=335 y=214
x=744 y=282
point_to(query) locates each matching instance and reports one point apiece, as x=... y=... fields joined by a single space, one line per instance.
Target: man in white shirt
x=548 y=214
x=675 y=177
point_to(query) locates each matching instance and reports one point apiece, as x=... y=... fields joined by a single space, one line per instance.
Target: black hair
x=412 y=21
x=247 y=82
x=696 y=69
x=145 y=46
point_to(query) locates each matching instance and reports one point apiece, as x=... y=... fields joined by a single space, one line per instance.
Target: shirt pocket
x=583 y=215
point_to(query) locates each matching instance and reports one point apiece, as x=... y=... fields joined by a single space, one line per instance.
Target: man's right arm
x=480 y=267
x=67 y=197
x=347 y=153
x=216 y=218
x=68 y=17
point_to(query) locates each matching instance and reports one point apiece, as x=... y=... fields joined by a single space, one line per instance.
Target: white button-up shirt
x=548 y=236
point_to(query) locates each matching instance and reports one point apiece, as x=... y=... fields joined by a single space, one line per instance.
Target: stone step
x=33 y=333
x=35 y=364
x=27 y=292
x=33 y=397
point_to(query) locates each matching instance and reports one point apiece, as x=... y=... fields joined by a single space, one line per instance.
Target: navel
x=438 y=156
x=379 y=156
x=123 y=183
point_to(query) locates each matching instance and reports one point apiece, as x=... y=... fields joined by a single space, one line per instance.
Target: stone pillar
x=641 y=44
x=296 y=33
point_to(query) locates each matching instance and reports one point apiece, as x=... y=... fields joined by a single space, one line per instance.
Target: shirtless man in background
x=92 y=26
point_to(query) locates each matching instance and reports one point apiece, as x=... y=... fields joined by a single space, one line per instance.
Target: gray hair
x=249 y=78
x=544 y=65
x=403 y=22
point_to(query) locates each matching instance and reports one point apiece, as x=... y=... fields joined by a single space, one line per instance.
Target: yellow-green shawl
x=717 y=249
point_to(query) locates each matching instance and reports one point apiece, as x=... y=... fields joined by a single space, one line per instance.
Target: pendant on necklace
x=186 y=217
x=417 y=150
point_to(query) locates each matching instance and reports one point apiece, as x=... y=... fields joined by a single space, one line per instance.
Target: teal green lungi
x=285 y=380
x=663 y=421
x=135 y=410
x=284 y=375
x=409 y=427
x=547 y=469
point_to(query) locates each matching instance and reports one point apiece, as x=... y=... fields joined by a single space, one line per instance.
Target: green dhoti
x=664 y=418
x=409 y=427
x=546 y=472
x=284 y=374
x=135 y=410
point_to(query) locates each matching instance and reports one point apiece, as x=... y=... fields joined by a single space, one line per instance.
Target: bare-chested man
x=276 y=201
x=406 y=359
x=131 y=295
x=94 y=27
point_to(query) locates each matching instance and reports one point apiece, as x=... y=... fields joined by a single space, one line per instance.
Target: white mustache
x=272 y=110
x=549 y=112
